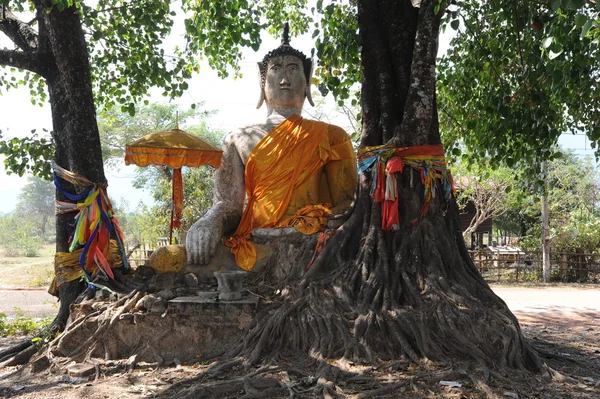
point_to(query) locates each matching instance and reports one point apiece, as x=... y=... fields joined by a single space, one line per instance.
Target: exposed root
x=411 y=294
x=381 y=391
x=21 y=352
x=107 y=315
x=19 y=358
x=13 y=350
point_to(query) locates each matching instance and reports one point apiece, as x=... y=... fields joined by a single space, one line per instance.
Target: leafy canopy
x=519 y=74
x=137 y=45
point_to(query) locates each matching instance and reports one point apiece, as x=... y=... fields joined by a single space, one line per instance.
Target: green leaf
x=555 y=4
x=455 y=24
x=552 y=55
x=547 y=42
x=586 y=27
x=580 y=20
x=573 y=4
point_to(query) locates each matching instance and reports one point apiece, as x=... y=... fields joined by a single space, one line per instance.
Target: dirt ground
x=561 y=321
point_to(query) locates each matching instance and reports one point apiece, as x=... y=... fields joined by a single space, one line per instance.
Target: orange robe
x=281 y=162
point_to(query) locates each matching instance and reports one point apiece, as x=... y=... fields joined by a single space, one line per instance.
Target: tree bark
x=75 y=129
x=58 y=53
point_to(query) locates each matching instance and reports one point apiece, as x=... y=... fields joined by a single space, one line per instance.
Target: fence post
x=580 y=264
x=564 y=266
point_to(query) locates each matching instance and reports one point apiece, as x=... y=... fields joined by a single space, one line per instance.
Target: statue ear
x=309 y=96
x=309 y=83
x=262 y=88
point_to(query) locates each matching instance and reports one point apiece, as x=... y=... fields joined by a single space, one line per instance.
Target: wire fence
x=520 y=266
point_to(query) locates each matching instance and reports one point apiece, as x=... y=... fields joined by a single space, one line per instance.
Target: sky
x=234 y=101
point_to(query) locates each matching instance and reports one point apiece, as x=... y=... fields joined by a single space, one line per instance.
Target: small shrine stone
x=230 y=284
x=81 y=370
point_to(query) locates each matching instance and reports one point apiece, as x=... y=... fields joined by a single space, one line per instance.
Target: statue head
x=285 y=76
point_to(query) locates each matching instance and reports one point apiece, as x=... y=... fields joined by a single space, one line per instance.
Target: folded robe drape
x=283 y=160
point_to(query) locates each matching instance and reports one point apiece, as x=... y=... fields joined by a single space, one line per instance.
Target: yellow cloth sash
x=280 y=162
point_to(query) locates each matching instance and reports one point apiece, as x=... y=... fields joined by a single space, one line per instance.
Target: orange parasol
x=174 y=148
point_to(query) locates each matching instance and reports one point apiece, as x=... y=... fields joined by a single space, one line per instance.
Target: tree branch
x=20 y=59
x=420 y=110
x=19 y=32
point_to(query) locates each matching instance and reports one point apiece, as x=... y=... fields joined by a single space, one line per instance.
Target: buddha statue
x=286 y=171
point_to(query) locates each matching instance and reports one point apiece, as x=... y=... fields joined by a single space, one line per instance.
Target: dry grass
x=19 y=272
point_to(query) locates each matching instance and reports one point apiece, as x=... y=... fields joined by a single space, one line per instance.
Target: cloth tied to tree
x=173 y=148
x=386 y=160
x=67 y=267
x=283 y=160
x=92 y=226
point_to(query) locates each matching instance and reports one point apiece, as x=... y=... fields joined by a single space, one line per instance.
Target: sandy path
x=33 y=302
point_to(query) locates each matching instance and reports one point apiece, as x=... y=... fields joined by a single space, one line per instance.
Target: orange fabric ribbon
x=280 y=162
x=403 y=155
x=177 y=199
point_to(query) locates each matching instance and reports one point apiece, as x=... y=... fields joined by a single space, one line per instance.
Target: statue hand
x=202 y=241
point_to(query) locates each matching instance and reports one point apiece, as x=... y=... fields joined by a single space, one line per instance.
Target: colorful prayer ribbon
x=93 y=223
x=386 y=160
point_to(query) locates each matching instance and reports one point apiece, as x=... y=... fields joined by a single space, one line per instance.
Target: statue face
x=285 y=84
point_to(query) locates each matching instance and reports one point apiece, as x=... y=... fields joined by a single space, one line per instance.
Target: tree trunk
x=58 y=53
x=75 y=129
x=414 y=292
x=43 y=226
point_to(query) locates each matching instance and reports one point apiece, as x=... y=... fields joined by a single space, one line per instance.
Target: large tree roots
x=70 y=293
x=319 y=323
x=427 y=303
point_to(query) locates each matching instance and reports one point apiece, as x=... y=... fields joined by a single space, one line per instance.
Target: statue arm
x=342 y=181
x=341 y=173
x=205 y=235
x=230 y=188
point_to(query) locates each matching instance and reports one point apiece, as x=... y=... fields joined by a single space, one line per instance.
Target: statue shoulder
x=337 y=135
x=242 y=135
x=242 y=141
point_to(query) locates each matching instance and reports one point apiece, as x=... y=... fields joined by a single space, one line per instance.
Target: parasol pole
x=177 y=188
x=177 y=202
x=172 y=210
